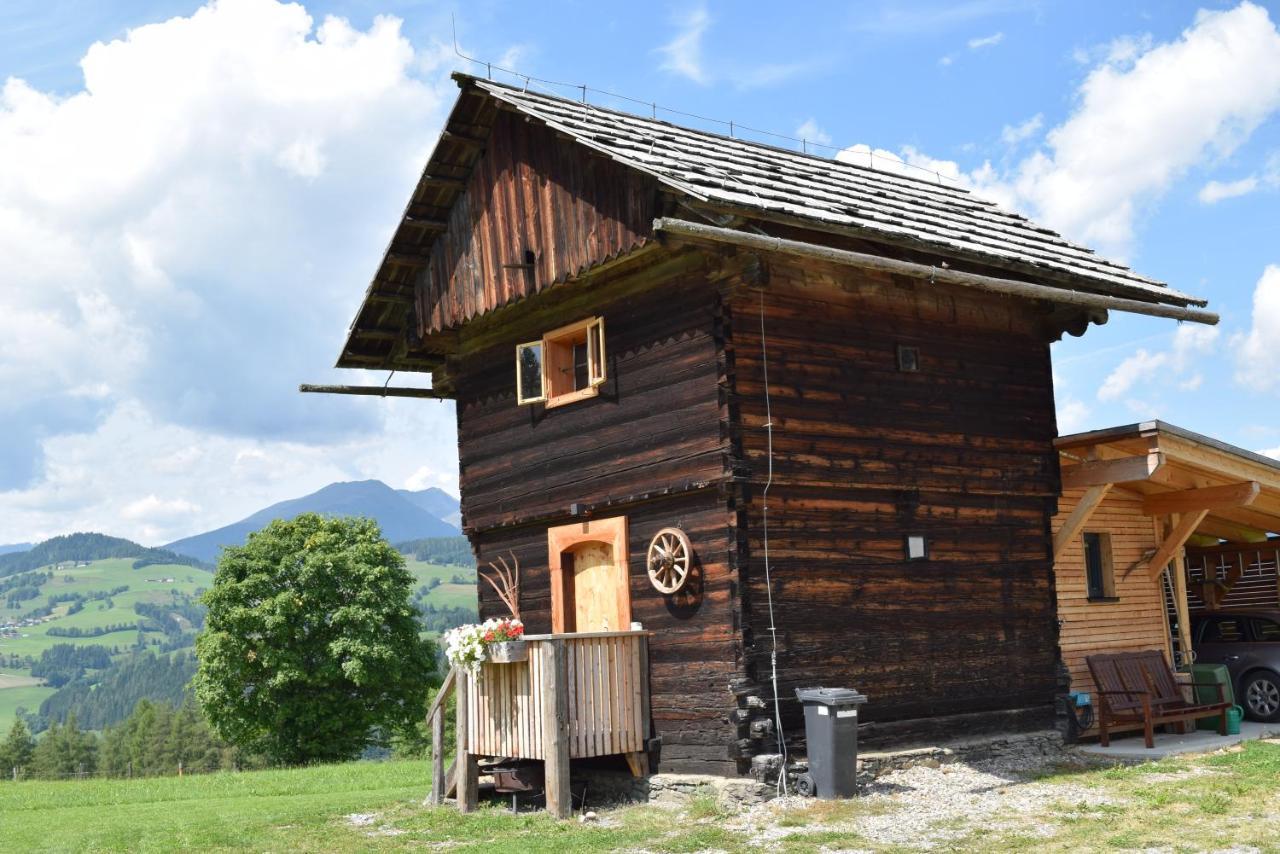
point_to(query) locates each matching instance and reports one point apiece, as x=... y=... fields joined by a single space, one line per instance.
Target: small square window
x=908 y=358
x=568 y=364
x=917 y=547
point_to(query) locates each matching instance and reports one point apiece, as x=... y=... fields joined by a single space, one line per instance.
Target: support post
x=555 y=726
x=437 y=757
x=467 y=763
x=1179 y=571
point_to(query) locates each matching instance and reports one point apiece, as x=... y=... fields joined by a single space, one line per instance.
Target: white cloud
x=1144 y=118
x=1215 y=191
x=139 y=477
x=183 y=241
x=1146 y=368
x=986 y=41
x=1073 y=416
x=1145 y=115
x=1256 y=350
x=812 y=132
x=1271 y=452
x=1014 y=134
x=683 y=54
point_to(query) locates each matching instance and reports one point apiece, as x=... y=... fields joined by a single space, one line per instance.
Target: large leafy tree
x=310 y=650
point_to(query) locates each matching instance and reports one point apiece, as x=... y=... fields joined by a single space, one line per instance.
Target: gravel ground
x=928 y=808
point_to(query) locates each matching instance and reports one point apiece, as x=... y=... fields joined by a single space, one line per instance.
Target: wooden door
x=590 y=581
x=596 y=597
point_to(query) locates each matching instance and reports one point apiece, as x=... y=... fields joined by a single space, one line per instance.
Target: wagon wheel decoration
x=670 y=557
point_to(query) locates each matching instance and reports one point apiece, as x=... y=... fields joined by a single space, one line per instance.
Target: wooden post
x=555 y=726
x=467 y=764
x=1180 y=598
x=437 y=757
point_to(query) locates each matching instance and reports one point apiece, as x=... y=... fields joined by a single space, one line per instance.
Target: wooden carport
x=1144 y=492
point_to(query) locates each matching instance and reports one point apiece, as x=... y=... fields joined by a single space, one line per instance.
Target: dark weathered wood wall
x=530 y=192
x=864 y=454
x=649 y=447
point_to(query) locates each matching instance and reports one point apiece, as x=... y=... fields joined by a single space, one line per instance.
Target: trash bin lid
x=830 y=696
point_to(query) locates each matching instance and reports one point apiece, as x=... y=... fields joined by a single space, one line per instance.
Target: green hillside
x=72 y=602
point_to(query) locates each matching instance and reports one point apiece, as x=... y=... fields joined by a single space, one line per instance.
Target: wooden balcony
x=576 y=696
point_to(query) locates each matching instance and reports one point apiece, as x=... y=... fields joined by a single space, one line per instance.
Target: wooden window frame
x=1108 y=570
x=553 y=346
x=562 y=538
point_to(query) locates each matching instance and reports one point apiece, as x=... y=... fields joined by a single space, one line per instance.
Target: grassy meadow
x=155 y=584
x=1200 y=803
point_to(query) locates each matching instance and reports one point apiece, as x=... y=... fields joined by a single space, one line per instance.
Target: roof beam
x=1079 y=518
x=442 y=181
x=396 y=299
x=865 y=261
x=1207 y=498
x=1098 y=472
x=1172 y=545
x=427 y=224
x=371 y=391
x=1232 y=532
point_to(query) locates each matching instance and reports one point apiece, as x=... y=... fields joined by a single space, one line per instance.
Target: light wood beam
x=1208 y=498
x=1078 y=518
x=1180 y=597
x=1233 y=532
x=1098 y=472
x=1183 y=528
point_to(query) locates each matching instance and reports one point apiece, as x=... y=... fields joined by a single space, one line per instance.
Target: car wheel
x=1261 y=697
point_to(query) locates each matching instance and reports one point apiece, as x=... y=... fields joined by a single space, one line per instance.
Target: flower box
x=508 y=652
x=498 y=641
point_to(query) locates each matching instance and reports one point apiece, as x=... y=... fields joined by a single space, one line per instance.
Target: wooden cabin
x=827 y=385
x=1157 y=523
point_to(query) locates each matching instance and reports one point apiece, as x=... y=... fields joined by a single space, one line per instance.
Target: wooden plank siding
x=530 y=192
x=864 y=454
x=507 y=703
x=1136 y=621
x=650 y=447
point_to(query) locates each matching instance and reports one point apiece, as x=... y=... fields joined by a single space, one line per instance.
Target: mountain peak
x=402 y=515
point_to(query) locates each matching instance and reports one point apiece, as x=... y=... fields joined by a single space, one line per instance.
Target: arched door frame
x=561 y=538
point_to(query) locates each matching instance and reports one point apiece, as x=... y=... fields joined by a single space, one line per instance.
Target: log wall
x=1136 y=621
x=864 y=454
x=650 y=447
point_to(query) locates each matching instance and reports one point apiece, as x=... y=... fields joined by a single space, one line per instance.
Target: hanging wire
x=768 y=581
x=733 y=127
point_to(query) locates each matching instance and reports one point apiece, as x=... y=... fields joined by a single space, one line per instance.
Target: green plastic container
x=1235 y=715
x=1208 y=694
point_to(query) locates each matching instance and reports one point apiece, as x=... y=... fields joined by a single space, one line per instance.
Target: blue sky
x=193 y=198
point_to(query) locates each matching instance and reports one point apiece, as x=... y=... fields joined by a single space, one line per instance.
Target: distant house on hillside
x=770 y=406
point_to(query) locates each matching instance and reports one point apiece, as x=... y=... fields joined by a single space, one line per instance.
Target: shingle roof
x=870 y=203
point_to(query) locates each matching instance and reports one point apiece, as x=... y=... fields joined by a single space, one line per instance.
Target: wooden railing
x=576 y=696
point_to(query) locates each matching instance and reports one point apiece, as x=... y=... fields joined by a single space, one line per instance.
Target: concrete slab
x=1129 y=746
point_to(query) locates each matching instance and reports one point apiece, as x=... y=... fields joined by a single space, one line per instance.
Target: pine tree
x=16 y=751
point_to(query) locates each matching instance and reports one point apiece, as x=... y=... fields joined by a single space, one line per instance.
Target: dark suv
x=1248 y=643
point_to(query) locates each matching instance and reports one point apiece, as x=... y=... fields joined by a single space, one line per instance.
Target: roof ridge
x=954 y=186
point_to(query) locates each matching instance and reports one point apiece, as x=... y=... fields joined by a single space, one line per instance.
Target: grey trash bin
x=831 y=732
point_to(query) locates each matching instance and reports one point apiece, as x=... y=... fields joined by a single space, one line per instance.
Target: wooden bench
x=1139 y=688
